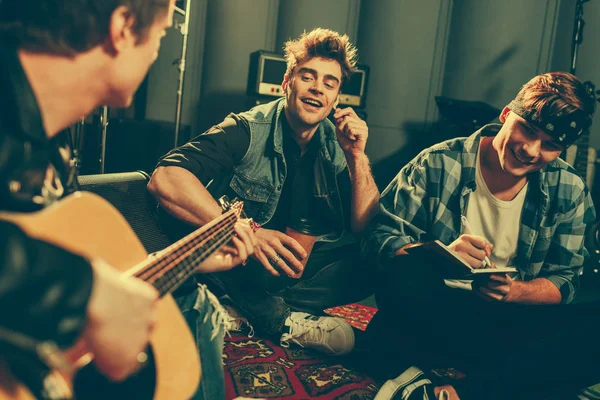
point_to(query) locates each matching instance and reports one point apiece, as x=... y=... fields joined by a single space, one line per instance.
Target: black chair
x=127 y=192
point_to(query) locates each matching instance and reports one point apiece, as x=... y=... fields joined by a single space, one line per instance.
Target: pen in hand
x=468 y=230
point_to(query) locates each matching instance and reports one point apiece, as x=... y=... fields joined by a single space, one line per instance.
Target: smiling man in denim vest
x=305 y=180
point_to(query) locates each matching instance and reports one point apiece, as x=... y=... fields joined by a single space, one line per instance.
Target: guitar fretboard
x=175 y=264
x=581 y=156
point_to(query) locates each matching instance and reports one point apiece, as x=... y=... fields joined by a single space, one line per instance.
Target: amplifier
x=265 y=74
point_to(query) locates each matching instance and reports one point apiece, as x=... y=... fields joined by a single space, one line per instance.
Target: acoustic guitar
x=86 y=224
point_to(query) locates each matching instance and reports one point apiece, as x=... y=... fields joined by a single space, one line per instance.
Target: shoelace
x=311 y=335
x=444 y=395
x=236 y=323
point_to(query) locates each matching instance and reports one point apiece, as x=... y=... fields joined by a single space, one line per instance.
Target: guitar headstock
x=238 y=209
x=236 y=205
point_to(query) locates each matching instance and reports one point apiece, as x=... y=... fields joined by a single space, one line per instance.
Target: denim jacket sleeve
x=402 y=210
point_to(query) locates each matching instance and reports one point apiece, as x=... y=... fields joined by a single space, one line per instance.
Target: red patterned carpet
x=260 y=368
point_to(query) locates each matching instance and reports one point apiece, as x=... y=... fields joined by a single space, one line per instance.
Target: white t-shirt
x=496 y=220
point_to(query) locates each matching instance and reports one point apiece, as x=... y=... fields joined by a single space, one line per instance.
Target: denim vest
x=259 y=177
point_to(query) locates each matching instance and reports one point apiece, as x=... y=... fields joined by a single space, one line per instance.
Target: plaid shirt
x=426 y=199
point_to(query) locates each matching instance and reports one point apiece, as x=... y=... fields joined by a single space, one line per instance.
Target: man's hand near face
x=352 y=134
x=351 y=131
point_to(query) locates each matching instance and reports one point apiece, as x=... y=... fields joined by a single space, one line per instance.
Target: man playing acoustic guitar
x=59 y=61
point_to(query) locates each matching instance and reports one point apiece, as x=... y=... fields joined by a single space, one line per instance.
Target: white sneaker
x=410 y=385
x=444 y=395
x=235 y=322
x=327 y=334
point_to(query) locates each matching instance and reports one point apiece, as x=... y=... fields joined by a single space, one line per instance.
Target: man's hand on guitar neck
x=234 y=253
x=121 y=315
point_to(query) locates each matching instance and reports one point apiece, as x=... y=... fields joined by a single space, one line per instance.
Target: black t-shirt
x=217 y=150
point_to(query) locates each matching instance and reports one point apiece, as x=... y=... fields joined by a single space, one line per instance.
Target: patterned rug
x=260 y=368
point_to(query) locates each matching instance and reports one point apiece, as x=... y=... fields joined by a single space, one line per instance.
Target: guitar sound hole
x=90 y=384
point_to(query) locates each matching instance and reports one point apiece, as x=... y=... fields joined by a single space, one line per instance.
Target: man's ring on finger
x=275 y=259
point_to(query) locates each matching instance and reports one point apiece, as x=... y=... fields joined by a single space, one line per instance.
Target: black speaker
x=127 y=193
x=471 y=115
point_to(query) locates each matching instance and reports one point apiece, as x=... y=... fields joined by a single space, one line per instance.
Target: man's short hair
x=68 y=27
x=323 y=43
x=558 y=103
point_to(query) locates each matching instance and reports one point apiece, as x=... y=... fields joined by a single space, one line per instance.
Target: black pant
x=331 y=278
x=508 y=351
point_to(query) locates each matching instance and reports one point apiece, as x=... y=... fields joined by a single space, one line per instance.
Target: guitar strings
x=202 y=247
x=161 y=267
x=152 y=270
x=181 y=248
x=175 y=280
x=174 y=273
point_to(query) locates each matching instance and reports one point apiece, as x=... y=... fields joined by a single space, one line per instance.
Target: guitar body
x=86 y=224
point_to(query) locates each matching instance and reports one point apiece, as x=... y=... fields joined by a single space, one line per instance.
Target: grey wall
x=404 y=43
x=163 y=76
x=466 y=49
x=493 y=49
x=296 y=16
x=227 y=54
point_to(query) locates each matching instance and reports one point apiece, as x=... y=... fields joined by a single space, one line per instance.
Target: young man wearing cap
x=511 y=333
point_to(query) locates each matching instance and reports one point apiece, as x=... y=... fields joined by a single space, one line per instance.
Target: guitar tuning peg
x=224 y=202
x=235 y=204
x=239 y=206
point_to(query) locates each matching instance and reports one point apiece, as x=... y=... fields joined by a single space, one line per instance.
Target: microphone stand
x=582 y=152
x=577 y=33
x=78 y=130
x=183 y=29
x=103 y=126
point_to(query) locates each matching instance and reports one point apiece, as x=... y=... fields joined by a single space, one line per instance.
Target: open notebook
x=450 y=263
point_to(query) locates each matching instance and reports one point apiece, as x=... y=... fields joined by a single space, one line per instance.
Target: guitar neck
x=175 y=264
x=583 y=143
x=581 y=157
